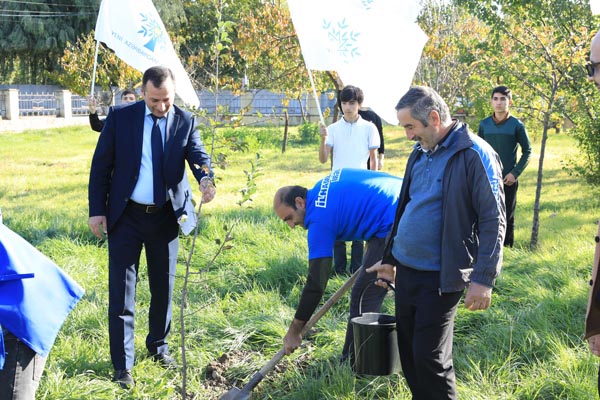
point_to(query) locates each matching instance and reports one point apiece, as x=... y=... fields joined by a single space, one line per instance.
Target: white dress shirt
x=143 y=192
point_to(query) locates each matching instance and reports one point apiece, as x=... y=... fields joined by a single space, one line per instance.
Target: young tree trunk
x=338 y=84
x=533 y=244
x=302 y=109
x=285 y=131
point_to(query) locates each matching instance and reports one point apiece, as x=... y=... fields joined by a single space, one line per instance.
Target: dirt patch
x=219 y=378
x=216 y=377
x=215 y=371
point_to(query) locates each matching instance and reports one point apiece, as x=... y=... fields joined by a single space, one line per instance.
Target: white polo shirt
x=351 y=142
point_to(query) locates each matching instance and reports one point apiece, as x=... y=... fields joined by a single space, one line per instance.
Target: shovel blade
x=235 y=394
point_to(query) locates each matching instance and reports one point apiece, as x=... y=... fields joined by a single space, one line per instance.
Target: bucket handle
x=362 y=293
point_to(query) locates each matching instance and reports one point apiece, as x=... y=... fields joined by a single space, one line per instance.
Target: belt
x=147 y=208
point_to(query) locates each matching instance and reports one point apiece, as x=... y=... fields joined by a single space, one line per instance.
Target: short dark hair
x=502 y=90
x=422 y=100
x=127 y=92
x=350 y=93
x=157 y=75
x=289 y=197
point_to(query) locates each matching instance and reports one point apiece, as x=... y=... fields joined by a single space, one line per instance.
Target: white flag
x=373 y=44
x=134 y=30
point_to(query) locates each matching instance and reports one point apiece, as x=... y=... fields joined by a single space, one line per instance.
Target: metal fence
x=45 y=104
x=79 y=105
x=42 y=101
x=261 y=101
x=272 y=103
x=36 y=104
x=225 y=100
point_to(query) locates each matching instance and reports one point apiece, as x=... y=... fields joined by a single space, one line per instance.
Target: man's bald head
x=287 y=195
x=289 y=204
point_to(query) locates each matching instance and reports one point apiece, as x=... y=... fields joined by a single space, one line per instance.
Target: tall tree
x=197 y=36
x=272 y=59
x=537 y=47
x=77 y=66
x=450 y=63
x=269 y=47
x=33 y=35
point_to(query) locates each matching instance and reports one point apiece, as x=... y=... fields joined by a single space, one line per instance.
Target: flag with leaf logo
x=134 y=30
x=373 y=44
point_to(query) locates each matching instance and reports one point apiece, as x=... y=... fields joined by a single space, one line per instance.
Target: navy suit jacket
x=118 y=156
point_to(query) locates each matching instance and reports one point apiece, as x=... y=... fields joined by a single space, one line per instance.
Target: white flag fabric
x=595 y=6
x=134 y=30
x=373 y=44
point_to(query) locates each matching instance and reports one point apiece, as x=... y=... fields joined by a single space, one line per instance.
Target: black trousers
x=425 y=325
x=339 y=256
x=158 y=234
x=510 y=200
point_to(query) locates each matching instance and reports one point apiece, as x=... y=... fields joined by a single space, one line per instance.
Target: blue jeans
x=23 y=367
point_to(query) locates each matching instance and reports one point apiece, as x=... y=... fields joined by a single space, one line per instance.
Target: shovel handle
x=270 y=364
x=330 y=302
x=268 y=367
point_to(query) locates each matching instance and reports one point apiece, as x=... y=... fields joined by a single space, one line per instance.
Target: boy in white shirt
x=351 y=141
x=353 y=138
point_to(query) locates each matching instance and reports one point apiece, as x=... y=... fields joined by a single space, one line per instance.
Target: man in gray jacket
x=447 y=236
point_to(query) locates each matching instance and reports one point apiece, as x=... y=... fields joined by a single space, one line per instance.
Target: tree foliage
x=540 y=57
x=33 y=36
x=197 y=38
x=451 y=61
x=77 y=66
x=587 y=133
x=270 y=49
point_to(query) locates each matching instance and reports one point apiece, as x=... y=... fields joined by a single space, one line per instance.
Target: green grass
x=526 y=346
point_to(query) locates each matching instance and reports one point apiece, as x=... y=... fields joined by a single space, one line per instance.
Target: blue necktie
x=160 y=193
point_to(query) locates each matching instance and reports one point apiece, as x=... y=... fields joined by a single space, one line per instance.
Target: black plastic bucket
x=375 y=343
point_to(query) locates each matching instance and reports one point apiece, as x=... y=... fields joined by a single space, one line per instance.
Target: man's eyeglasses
x=591 y=68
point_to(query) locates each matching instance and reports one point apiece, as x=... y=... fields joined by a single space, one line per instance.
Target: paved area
x=24 y=123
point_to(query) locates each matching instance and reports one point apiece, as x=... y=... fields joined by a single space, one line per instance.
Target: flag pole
x=312 y=84
x=95 y=65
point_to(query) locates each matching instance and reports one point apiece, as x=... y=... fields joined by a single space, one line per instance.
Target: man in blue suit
x=138 y=193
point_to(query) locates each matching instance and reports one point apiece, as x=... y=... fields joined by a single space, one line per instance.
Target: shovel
x=244 y=394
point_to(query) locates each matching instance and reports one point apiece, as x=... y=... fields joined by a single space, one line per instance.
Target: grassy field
x=528 y=345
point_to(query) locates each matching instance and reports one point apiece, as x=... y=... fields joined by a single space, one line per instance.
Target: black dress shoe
x=165 y=360
x=123 y=378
